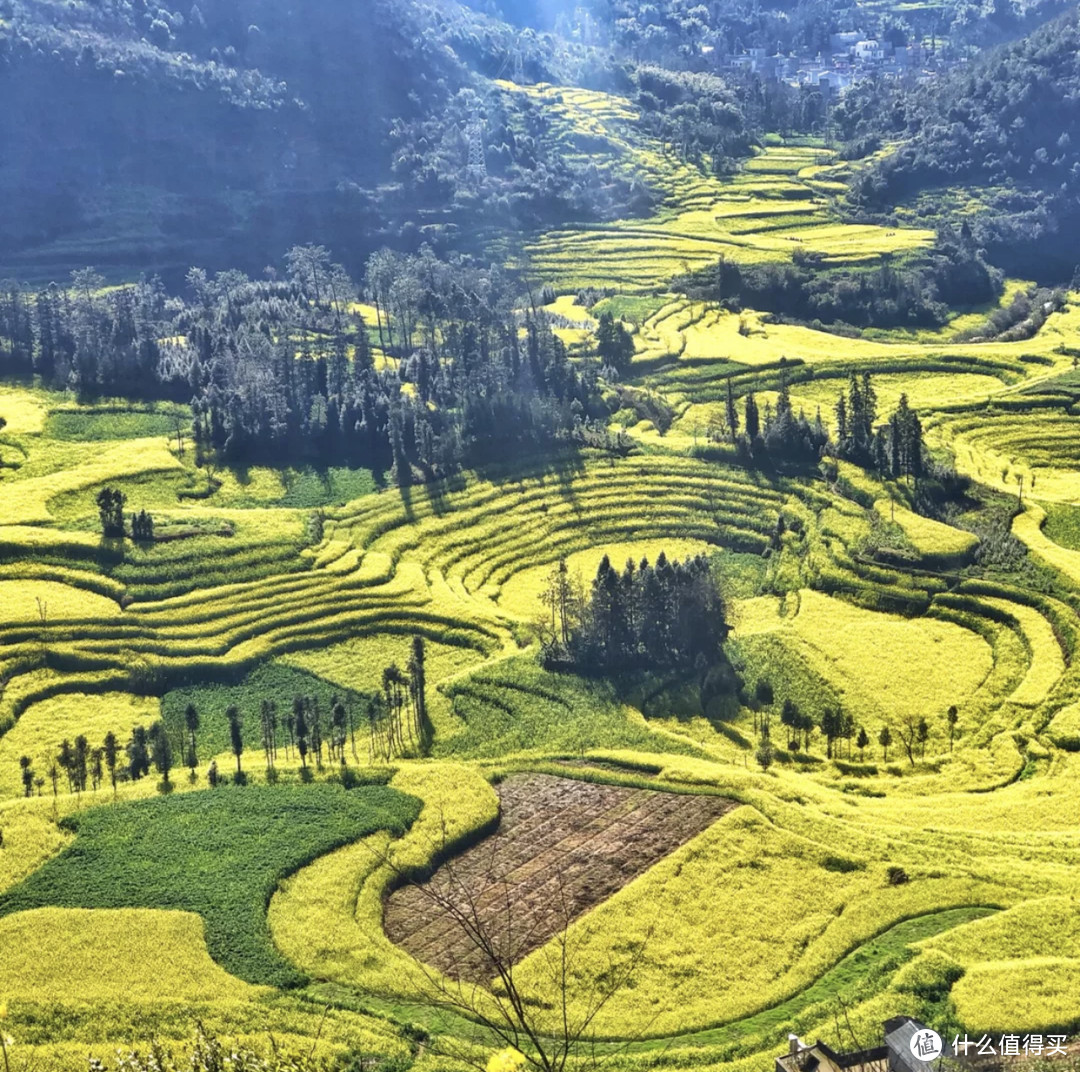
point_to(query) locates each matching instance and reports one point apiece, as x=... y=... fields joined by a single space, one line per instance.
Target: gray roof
x=899 y=1032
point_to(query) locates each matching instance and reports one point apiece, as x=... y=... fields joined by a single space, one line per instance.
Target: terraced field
x=949 y=863
x=777 y=204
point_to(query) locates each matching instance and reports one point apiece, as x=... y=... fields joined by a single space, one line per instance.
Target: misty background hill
x=150 y=134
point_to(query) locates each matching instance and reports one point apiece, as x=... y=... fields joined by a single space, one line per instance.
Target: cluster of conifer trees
x=778 y=433
x=285 y=367
x=917 y=288
x=895 y=448
x=656 y=617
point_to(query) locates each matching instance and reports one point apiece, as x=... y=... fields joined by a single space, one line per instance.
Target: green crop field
x=145 y=854
x=929 y=871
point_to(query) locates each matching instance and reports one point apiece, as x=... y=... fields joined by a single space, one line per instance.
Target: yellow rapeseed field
x=764 y=903
x=930 y=538
x=108 y=955
x=26 y=601
x=327 y=918
x=1004 y=996
x=883 y=667
x=44 y=725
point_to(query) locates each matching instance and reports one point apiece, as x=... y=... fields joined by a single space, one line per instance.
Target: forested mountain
x=1009 y=123
x=137 y=136
x=149 y=135
x=674 y=32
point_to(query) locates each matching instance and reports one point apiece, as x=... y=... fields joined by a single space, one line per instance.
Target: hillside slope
x=1005 y=130
x=140 y=137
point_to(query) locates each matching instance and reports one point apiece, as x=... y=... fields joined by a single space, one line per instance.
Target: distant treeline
x=916 y=290
x=286 y=368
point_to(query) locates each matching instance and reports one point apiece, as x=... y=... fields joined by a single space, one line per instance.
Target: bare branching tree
x=489 y=924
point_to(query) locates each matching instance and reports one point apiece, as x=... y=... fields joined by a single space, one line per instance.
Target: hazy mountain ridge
x=1006 y=128
x=221 y=124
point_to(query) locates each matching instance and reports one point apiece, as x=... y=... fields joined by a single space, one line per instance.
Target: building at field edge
x=894 y=1055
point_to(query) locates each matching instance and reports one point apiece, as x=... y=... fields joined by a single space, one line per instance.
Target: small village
x=852 y=57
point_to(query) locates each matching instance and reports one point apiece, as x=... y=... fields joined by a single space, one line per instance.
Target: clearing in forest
x=563 y=846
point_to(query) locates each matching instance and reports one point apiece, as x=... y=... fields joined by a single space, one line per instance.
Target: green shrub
x=841 y=864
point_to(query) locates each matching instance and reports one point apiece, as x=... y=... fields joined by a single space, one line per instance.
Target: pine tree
x=922 y=735
x=110 y=504
x=66 y=759
x=111 y=750
x=731 y=413
x=791 y=718
x=831 y=727
x=301 y=728
x=753 y=421
x=161 y=751
x=856 y=417
x=27 y=774
x=191 y=723
x=138 y=753
x=418 y=678
x=80 y=758
x=236 y=735
x=267 y=723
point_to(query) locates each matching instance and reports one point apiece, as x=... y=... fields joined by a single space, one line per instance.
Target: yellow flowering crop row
x=130 y=954
x=327 y=918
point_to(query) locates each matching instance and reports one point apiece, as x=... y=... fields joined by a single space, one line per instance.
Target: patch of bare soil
x=562 y=847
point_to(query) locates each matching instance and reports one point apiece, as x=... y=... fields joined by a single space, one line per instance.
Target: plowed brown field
x=562 y=847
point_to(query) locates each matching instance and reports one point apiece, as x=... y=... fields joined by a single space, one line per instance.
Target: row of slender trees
x=836 y=726
x=82 y=765
x=397 y=722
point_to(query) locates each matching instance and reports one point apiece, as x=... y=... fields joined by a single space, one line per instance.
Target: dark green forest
x=281 y=367
x=1008 y=127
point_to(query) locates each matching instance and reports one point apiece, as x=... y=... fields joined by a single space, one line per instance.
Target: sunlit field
x=894 y=870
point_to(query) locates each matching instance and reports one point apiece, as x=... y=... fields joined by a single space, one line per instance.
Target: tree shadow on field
x=557 y=469
x=405 y=494
x=439 y=492
x=241 y=473
x=685 y=695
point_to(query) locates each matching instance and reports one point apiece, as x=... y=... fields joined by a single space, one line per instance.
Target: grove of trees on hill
x=914 y=290
x=1006 y=126
x=660 y=616
x=287 y=367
